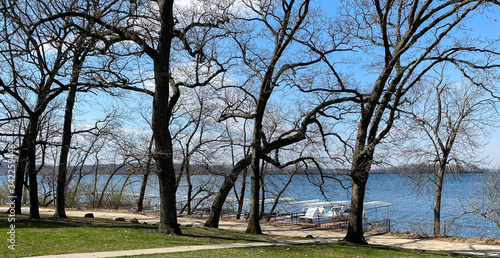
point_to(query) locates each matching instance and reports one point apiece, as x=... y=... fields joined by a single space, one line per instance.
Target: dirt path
x=319 y=235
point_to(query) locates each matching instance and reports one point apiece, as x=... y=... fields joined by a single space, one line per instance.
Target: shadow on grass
x=50 y=222
x=384 y=248
x=23 y=221
x=218 y=234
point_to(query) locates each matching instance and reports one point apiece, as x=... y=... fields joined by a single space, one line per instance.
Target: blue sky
x=481 y=24
x=485 y=24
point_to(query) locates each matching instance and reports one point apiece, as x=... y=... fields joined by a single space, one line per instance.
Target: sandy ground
x=319 y=235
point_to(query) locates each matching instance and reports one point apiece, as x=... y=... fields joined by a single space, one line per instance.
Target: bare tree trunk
x=253 y=226
x=66 y=141
x=359 y=177
x=78 y=60
x=144 y=184
x=263 y=201
x=20 y=175
x=168 y=212
x=275 y=204
x=120 y=196
x=190 y=189
x=241 y=201
x=63 y=159
x=142 y=193
x=437 y=198
x=75 y=190
x=33 y=182
x=163 y=104
x=227 y=185
x=103 y=192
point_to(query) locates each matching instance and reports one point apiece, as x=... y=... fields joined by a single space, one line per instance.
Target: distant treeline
x=108 y=169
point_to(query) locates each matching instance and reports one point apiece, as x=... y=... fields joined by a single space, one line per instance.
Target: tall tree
x=287 y=31
x=487 y=203
x=320 y=96
x=83 y=45
x=163 y=32
x=35 y=57
x=449 y=120
x=403 y=40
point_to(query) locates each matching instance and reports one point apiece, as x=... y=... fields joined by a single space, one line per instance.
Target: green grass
x=312 y=250
x=75 y=235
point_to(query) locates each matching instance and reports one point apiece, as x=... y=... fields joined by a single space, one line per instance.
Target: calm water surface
x=410 y=210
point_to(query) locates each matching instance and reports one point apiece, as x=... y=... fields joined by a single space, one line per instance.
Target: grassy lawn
x=312 y=250
x=75 y=235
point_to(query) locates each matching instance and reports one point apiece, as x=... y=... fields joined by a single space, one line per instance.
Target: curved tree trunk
x=276 y=201
x=78 y=60
x=144 y=184
x=142 y=193
x=227 y=185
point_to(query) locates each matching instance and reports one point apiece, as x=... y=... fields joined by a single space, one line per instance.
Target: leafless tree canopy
x=243 y=85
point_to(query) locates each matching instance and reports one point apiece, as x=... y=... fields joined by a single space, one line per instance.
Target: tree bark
x=20 y=175
x=227 y=185
x=142 y=192
x=63 y=158
x=144 y=184
x=66 y=140
x=241 y=201
x=253 y=226
x=32 y=180
x=190 y=189
x=263 y=201
x=437 y=198
x=359 y=177
x=163 y=104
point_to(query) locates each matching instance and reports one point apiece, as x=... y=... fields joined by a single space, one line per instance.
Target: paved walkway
x=173 y=249
x=319 y=235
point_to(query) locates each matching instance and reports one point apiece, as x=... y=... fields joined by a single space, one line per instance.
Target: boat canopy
x=321 y=203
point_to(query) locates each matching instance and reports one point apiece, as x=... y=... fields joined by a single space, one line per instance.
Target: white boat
x=320 y=215
x=321 y=212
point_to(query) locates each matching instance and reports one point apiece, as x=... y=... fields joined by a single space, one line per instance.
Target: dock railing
x=383 y=225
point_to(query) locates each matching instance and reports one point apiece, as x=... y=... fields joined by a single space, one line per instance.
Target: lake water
x=409 y=211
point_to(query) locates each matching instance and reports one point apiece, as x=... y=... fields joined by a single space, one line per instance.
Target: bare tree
x=84 y=158
x=83 y=46
x=486 y=203
x=403 y=40
x=291 y=29
x=143 y=162
x=449 y=120
x=36 y=57
x=195 y=35
x=195 y=135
